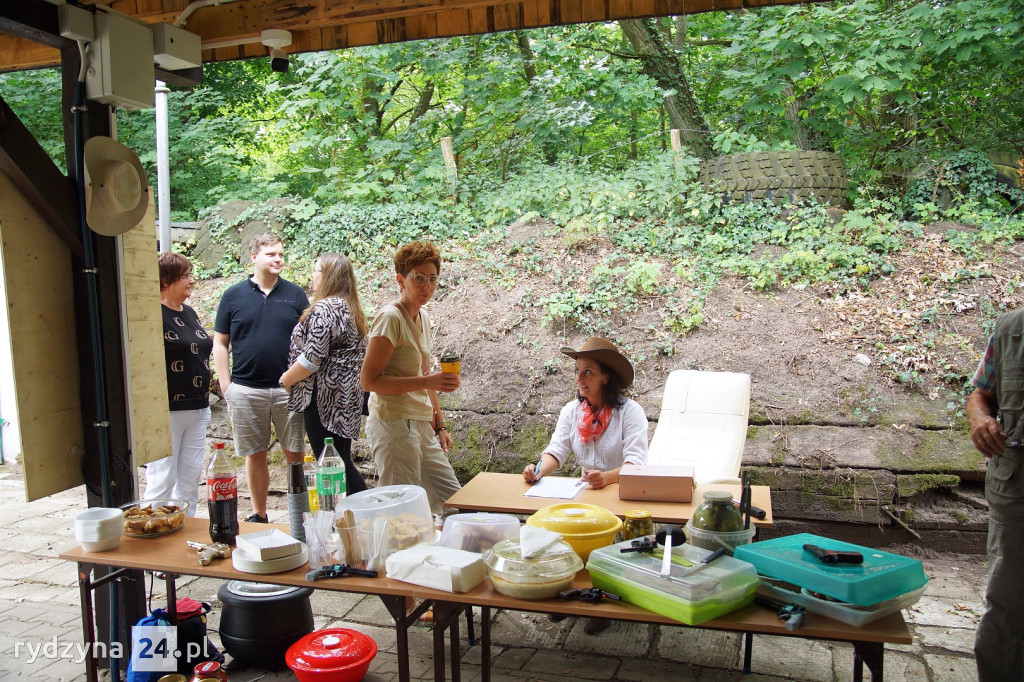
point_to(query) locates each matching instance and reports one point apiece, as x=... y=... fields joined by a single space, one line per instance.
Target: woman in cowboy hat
x=602 y=427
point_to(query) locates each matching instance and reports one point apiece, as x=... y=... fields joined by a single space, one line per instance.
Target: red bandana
x=592 y=424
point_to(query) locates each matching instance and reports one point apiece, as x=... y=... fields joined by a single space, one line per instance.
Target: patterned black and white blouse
x=328 y=344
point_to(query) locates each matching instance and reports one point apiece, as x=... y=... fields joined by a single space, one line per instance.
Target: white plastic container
x=857 y=616
x=713 y=540
x=404 y=506
x=478 y=532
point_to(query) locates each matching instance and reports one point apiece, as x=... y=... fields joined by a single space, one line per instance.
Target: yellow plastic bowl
x=585 y=527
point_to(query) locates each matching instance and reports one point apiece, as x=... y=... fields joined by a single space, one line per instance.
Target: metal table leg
x=446 y=617
x=86 y=586
x=748 y=650
x=395 y=604
x=485 y=644
x=871 y=654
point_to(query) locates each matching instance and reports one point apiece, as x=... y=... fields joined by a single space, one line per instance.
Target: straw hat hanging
x=117 y=190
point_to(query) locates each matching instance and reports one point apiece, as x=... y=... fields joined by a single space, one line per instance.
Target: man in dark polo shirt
x=254 y=323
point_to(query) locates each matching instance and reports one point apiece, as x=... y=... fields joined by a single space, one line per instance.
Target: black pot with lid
x=260 y=621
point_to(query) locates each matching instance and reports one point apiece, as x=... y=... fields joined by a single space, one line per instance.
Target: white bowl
x=99 y=526
x=99 y=515
x=101 y=545
x=106 y=530
x=99 y=519
x=94 y=536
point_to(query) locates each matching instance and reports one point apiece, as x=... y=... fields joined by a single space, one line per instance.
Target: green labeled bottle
x=330 y=477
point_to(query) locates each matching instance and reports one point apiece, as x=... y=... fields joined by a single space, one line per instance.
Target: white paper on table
x=556 y=487
x=443 y=568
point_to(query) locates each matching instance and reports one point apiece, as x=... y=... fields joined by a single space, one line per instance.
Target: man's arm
x=221 y=349
x=987 y=435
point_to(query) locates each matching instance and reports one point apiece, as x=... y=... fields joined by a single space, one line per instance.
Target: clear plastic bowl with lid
x=404 y=506
x=585 y=527
x=539 y=577
x=478 y=531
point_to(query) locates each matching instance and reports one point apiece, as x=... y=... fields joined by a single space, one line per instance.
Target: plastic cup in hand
x=450 y=363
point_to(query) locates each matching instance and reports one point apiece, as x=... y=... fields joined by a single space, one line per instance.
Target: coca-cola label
x=222 y=489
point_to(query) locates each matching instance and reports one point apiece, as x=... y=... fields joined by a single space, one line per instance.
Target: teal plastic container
x=882 y=576
x=723 y=585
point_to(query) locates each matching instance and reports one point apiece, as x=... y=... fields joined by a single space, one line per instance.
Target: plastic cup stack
x=298 y=500
x=318 y=526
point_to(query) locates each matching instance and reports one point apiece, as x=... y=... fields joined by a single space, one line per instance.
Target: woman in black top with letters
x=187 y=349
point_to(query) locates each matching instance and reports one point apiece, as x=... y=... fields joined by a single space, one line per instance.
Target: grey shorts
x=253 y=411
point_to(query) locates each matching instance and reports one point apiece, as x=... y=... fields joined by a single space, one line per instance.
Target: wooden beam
x=38 y=178
x=331 y=24
x=33 y=21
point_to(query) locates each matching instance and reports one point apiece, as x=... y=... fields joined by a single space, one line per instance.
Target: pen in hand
x=536 y=472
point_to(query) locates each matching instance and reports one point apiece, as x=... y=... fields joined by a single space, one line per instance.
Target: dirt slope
x=841 y=441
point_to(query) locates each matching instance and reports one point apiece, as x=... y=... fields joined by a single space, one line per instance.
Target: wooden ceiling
x=29 y=36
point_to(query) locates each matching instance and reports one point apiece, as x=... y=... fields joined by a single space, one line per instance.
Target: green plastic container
x=724 y=585
x=882 y=576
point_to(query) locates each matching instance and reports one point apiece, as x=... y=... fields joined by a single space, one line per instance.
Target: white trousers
x=178 y=476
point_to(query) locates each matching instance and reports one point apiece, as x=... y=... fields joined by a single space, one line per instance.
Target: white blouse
x=623 y=442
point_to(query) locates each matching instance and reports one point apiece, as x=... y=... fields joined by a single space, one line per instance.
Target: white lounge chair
x=703 y=424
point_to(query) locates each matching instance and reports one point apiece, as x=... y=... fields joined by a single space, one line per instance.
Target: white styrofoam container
x=857 y=616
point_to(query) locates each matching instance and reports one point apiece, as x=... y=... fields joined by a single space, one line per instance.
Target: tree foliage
x=897 y=87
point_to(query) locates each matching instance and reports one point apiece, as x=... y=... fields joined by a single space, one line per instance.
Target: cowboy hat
x=117 y=190
x=605 y=352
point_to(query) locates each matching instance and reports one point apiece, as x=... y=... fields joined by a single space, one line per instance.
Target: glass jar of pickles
x=718 y=513
x=638 y=524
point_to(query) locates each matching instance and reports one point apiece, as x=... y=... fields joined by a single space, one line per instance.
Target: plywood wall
x=37 y=284
x=146 y=371
x=38 y=289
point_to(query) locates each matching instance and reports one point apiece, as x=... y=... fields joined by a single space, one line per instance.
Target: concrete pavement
x=40 y=623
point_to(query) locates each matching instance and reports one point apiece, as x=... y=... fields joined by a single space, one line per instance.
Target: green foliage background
x=566 y=124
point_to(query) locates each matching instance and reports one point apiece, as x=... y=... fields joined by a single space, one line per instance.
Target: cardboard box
x=656 y=483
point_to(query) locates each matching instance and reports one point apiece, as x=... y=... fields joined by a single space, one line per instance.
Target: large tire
x=778 y=176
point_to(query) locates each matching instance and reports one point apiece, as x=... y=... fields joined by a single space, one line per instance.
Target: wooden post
x=449 y=157
x=449 y=164
x=677 y=141
x=677 y=147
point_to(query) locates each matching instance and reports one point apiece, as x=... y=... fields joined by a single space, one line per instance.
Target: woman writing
x=406 y=430
x=187 y=349
x=602 y=427
x=327 y=349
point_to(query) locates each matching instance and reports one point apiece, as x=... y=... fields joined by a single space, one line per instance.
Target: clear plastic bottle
x=330 y=477
x=309 y=470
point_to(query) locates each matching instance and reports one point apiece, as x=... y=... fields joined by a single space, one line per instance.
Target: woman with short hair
x=187 y=349
x=406 y=429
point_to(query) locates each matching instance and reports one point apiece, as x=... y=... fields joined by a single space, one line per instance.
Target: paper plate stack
x=268 y=551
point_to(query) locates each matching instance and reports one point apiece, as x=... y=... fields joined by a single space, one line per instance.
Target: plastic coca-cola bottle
x=222 y=497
